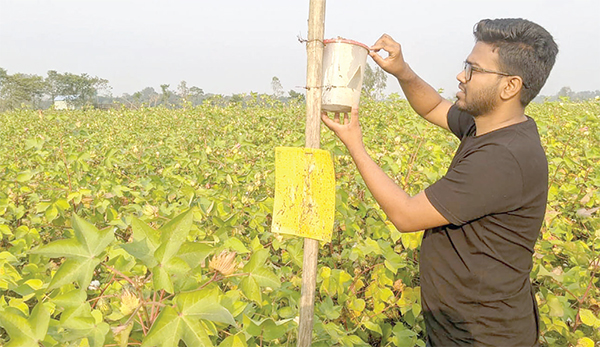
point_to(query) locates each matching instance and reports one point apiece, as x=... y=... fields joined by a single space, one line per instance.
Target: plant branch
x=125 y=277
x=64 y=158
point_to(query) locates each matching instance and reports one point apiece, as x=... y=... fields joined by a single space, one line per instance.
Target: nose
x=462 y=76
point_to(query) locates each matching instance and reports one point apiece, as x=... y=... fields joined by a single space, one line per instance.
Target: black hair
x=525 y=49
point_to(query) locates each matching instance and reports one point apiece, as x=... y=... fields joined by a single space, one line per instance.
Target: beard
x=480 y=101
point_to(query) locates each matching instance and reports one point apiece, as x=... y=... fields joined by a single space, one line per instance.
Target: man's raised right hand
x=394 y=63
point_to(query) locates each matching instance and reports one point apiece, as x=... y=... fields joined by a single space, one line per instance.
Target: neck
x=498 y=119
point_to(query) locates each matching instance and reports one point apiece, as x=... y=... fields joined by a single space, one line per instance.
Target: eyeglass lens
x=468 y=71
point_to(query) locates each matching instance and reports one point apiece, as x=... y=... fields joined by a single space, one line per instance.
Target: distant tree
x=277 y=88
x=196 y=95
x=296 y=96
x=53 y=84
x=20 y=89
x=79 y=90
x=183 y=91
x=237 y=99
x=3 y=77
x=374 y=82
x=150 y=96
x=166 y=94
x=137 y=99
x=565 y=92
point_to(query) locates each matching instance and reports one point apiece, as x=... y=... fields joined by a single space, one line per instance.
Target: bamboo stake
x=314 y=72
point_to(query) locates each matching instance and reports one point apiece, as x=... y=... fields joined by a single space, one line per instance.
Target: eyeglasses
x=469 y=68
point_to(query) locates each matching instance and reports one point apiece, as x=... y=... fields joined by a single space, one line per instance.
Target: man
x=483 y=217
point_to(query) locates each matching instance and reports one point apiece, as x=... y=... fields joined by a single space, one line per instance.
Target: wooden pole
x=314 y=76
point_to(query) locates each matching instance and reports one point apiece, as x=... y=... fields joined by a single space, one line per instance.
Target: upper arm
x=439 y=114
x=418 y=214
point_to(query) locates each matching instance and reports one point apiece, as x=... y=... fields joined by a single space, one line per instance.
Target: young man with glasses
x=483 y=217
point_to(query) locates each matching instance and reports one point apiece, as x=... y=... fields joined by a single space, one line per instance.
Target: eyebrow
x=472 y=63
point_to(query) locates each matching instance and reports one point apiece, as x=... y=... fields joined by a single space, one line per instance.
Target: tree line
x=19 y=89
x=78 y=91
x=26 y=90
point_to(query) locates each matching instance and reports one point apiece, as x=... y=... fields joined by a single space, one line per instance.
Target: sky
x=237 y=46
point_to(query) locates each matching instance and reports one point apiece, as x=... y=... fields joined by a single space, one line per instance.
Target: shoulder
x=460 y=122
x=522 y=140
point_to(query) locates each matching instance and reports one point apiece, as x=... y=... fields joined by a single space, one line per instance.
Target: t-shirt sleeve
x=459 y=121
x=484 y=182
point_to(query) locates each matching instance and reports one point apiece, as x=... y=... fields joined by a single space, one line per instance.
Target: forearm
x=421 y=96
x=390 y=197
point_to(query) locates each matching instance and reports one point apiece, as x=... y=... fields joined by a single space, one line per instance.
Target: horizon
x=223 y=49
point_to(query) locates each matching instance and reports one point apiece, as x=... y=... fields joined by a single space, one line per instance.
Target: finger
x=377 y=58
x=345 y=118
x=354 y=114
x=384 y=42
x=337 y=117
x=330 y=123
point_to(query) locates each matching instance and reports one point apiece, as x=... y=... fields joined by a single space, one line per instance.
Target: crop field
x=152 y=227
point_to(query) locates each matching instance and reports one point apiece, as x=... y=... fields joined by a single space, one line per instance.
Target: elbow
x=404 y=224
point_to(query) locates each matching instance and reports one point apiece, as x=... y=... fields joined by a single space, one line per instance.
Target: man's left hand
x=346 y=128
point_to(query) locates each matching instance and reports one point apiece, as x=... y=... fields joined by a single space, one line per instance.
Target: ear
x=512 y=88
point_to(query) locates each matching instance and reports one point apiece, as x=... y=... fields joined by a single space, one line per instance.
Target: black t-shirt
x=475 y=271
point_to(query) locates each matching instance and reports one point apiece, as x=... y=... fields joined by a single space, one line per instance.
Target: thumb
x=377 y=58
x=328 y=121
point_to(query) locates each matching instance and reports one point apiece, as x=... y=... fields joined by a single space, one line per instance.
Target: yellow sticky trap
x=304 y=193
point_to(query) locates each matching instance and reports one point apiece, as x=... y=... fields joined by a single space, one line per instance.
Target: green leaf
x=170 y=327
x=39 y=320
x=70 y=299
x=173 y=235
x=80 y=322
x=141 y=231
x=251 y=289
x=404 y=337
x=18 y=328
x=162 y=279
x=585 y=342
x=68 y=248
x=81 y=252
x=588 y=318
x=166 y=330
x=234 y=341
x=78 y=270
x=165 y=274
x=203 y=304
x=78 y=318
x=257 y=260
x=194 y=333
x=357 y=305
x=330 y=310
x=141 y=250
x=235 y=244
x=93 y=240
x=373 y=327
x=411 y=240
x=556 y=308
x=22 y=331
x=274 y=330
x=24 y=176
x=266 y=278
x=5 y=229
x=416 y=308
x=96 y=335
x=394 y=261
x=194 y=253
x=51 y=213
